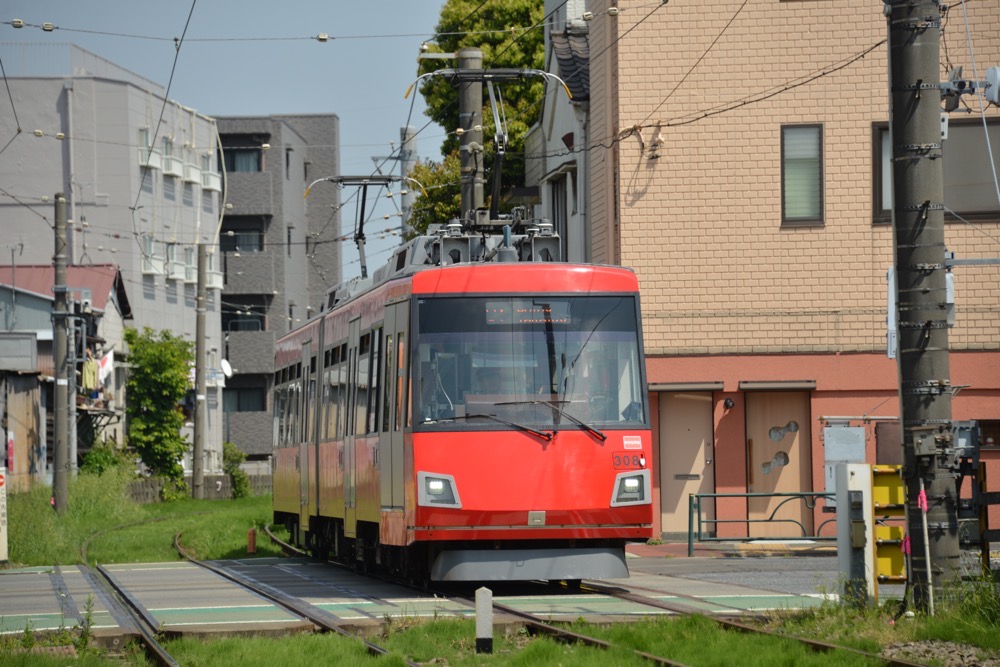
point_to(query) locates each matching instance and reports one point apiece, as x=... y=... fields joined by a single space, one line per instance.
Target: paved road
x=801 y=575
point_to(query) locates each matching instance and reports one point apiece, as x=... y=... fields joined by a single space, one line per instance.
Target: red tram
x=468 y=420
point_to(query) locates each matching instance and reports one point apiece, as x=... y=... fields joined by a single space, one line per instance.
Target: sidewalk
x=732 y=549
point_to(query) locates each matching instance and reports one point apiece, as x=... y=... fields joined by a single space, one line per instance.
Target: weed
x=28 y=637
x=86 y=625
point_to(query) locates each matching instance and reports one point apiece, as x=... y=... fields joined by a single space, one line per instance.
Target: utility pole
x=60 y=474
x=470 y=121
x=198 y=456
x=407 y=157
x=925 y=389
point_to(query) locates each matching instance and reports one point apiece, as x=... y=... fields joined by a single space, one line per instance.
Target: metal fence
x=699 y=527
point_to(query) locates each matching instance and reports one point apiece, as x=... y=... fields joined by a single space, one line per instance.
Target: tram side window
x=402 y=393
x=276 y=407
x=334 y=387
x=361 y=385
x=309 y=402
x=390 y=367
x=375 y=373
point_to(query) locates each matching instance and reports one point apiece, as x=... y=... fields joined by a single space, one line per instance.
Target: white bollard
x=484 y=620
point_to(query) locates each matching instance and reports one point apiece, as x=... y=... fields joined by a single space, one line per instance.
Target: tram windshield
x=546 y=362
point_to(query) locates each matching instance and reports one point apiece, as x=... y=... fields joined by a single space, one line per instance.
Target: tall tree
x=158 y=380
x=510 y=35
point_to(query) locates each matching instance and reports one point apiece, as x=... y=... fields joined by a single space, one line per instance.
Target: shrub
x=232 y=457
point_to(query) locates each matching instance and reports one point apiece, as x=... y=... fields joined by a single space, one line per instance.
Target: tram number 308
x=627 y=460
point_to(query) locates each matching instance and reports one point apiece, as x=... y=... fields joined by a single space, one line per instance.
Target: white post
x=484 y=620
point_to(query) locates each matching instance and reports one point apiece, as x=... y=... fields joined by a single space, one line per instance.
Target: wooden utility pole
x=918 y=230
x=60 y=320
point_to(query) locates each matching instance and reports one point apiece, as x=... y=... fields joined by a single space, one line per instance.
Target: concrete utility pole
x=918 y=229
x=60 y=475
x=198 y=455
x=407 y=159
x=470 y=117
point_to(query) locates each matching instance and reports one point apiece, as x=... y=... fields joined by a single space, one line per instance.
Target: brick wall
x=701 y=223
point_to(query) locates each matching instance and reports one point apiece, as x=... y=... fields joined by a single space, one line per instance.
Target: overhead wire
x=13 y=108
x=178 y=42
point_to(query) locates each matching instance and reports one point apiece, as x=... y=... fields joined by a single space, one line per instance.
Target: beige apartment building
x=738 y=163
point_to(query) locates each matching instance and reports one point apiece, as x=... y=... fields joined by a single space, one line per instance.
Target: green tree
x=441 y=196
x=159 y=366
x=509 y=35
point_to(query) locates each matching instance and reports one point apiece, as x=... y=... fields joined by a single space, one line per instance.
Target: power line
x=696 y=63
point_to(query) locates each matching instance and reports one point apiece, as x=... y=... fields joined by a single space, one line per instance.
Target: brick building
x=737 y=161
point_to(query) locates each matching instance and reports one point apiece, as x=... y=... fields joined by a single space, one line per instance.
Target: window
x=207 y=201
x=146 y=181
x=243 y=233
x=188 y=194
x=801 y=175
x=288 y=163
x=500 y=355
x=244 y=399
x=241 y=159
x=170 y=188
x=559 y=217
x=244 y=314
x=969 y=190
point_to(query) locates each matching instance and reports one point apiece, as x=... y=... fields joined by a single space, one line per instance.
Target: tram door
x=390 y=455
x=779 y=461
x=686 y=460
x=304 y=436
x=350 y=456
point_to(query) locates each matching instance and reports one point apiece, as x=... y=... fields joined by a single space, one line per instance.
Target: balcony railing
x=150 y=158
x=214 y=280
x=211 y=181
x=152 y=265
x=173 y=166
x=176 y=270
x=192 y=174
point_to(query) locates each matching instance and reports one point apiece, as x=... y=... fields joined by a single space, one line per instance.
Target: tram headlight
x=631 y=488
x=437 y=490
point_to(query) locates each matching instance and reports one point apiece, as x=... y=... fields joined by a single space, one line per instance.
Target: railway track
x=541 y=626
x=323 y=620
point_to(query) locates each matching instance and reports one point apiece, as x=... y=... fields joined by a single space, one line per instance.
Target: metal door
x=303 y=435
x=779 y=461
x=390 y=455
x=687 y=462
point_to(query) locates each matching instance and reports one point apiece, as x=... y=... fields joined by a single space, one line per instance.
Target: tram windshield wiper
x=544 y=435
x=555 y=406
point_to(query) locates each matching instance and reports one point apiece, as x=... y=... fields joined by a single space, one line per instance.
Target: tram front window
x=543 y=362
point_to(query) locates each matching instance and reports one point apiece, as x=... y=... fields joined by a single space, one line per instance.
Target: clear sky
x=254 y=57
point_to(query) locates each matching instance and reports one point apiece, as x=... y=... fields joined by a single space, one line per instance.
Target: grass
x=116 y=529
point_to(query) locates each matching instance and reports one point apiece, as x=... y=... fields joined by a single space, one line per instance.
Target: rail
x=697 y=524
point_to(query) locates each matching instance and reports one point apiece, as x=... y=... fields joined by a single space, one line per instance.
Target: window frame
x=786 y=220
x=879 y=163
